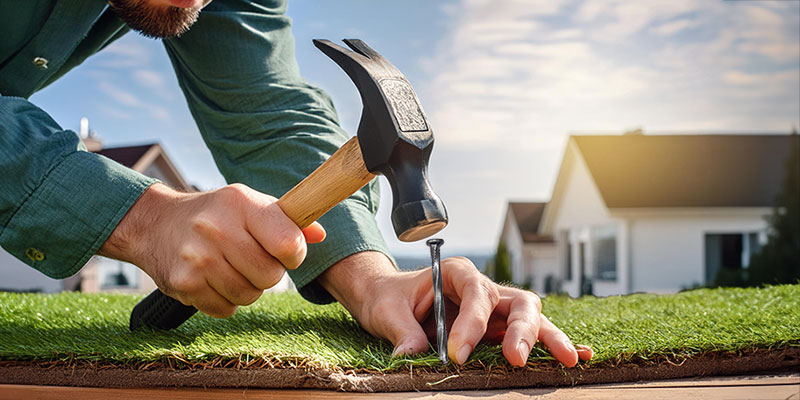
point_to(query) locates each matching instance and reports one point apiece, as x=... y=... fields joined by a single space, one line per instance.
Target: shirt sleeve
x=265 y=126
x=58 y=203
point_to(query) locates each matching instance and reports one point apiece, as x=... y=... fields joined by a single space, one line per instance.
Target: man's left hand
x=397 y=306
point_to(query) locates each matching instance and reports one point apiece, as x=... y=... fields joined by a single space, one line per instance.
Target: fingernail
x=523 y=350
x=582 y=347
x=463 y=353
x=400 y=349
x=569 y=345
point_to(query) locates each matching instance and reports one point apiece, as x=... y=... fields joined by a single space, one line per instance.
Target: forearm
x=58 y=202
x=265 y=126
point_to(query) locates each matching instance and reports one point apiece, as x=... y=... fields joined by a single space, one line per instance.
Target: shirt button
x=40 y=62
x=34 y=254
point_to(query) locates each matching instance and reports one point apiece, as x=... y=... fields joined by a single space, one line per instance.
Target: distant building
x=533 y=256
x=648 y=213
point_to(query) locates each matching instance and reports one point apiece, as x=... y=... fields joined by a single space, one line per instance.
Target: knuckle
x=197 y=261
x=273 y=275
x=220 y=310
x=236 y=191
x=490 y=290
x=290 y=249
x=534 y=300
x=250 y=297
x=206 y=226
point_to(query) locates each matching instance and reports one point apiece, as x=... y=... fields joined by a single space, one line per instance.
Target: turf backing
x=282 y=330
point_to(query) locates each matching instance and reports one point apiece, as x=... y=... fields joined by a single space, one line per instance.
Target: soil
x=539 y=374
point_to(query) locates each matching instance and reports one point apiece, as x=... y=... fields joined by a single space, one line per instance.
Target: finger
x=585 y=353
x=212 y=303
x=314 y=233
x=399 y=325
x=477 y=298
x=523 y=326
x=557 y=343
x=231 y=285
x=278 y=235
x=248 y=258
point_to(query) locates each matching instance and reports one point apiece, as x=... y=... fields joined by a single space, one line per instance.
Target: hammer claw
x=361 y=48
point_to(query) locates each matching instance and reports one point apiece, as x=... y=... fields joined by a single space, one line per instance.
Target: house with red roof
x=647 y=213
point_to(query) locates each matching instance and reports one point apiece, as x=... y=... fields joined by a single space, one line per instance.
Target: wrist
x=352 y=280
x=128 y=241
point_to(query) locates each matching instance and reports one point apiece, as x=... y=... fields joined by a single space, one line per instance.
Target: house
x=654 y=213
x=527 y=249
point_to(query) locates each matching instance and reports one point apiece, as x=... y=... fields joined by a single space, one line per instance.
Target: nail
x=523 y=349
x=400 y=349
x=569 y=345
x=463 y=353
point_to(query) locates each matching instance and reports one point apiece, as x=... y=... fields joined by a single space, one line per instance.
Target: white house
x=533 y=256
x=656 y=213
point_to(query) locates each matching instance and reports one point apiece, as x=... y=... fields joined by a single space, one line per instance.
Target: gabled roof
x=127 y=155
x=143 y=158
x=527 y=216
x=686 y=170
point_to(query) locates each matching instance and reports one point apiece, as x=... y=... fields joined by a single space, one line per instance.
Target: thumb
x=403 y=330
x=314 y=233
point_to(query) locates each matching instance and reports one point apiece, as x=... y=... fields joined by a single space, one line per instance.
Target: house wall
x=668 y=246
x=541 y=261
x=17 y=276
x=580 y=209
x=512 y=239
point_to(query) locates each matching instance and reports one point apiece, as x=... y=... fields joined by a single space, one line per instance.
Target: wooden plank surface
x=786 y=386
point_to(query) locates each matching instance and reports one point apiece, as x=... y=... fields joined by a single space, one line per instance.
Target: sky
x=503 y=84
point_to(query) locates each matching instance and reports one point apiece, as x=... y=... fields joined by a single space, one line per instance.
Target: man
x=266 y=129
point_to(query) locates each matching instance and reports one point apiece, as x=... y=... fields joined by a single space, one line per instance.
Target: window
x=604 y=243
x=728 y=253
x=115 y=274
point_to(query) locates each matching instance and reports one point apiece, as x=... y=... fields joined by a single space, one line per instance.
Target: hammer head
x=395 y=137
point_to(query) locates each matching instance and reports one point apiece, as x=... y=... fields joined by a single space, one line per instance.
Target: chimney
x=88 y=137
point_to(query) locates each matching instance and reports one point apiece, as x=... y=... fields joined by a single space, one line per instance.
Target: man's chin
x=156 y=21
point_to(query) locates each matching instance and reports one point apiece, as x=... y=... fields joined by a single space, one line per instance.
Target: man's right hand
x=213 y=250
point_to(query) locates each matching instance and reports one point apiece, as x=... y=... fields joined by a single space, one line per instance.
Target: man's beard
x=155 y=21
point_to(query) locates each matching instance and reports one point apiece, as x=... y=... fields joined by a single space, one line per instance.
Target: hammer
x=394 y=139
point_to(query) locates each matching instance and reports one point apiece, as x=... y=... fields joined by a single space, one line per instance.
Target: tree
x=779 y=259
x=501 y=268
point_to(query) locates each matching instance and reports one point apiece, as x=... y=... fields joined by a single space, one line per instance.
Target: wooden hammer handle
x=335 y=180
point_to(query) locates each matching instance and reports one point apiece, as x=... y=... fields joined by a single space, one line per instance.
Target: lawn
x=283 y=330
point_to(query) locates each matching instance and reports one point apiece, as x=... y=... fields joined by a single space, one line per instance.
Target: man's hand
x=397 y=306
x=213 y=250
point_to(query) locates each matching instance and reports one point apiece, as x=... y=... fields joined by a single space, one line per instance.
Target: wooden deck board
x=785 y=386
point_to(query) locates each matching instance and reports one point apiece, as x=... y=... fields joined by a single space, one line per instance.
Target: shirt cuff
x=72 y=212
x=351 y=228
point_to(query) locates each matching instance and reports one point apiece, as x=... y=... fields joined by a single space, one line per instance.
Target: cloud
x=510 y=80
x=514 y=72
x=114 y=112
x=672 y=27
x=130 y=101
x=124 y=53
x=153 y=81
x=119 y=95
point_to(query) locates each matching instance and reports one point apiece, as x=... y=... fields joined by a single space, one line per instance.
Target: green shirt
x=265 y=126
